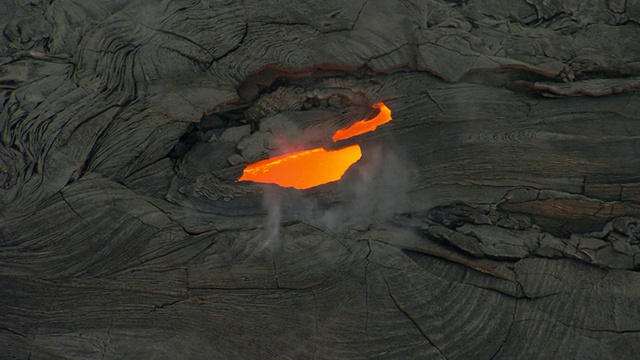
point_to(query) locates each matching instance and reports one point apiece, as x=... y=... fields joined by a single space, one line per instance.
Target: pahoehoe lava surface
x=496 y=217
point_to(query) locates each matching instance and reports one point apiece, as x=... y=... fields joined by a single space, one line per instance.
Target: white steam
x=373 y=190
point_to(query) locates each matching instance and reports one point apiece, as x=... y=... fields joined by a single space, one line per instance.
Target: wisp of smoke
x=272 y=202
x=374 y=189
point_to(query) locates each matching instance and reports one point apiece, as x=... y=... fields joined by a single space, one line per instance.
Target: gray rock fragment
x=550 y=246
x=625 y=226
x=503 y=243
x=620 y=244
x=204 y=136
x=235 y=159
x=235 y=133
x=589 y=242
x=463 y=242
x=521 y=195
x=278 y=124
x=614 y=259
x=452 y=216
x=253 y=147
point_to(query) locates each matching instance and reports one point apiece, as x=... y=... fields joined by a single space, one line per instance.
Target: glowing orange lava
x=304 y=169
x=365 y=126
x=309 y=168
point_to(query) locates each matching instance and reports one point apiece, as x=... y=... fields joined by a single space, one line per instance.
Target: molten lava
x=304 y=169
x=309 y=168
x=365 y=126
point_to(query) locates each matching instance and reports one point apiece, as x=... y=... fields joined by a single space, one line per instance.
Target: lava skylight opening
x=304 y=169
x=310 y=168
x=365 y=126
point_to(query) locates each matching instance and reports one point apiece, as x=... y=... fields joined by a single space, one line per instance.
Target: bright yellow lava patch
x=304 y=169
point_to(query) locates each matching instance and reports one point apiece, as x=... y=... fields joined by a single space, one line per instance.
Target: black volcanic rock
x=497 y=216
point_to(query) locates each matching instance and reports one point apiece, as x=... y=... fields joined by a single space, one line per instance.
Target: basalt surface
x=497 y=216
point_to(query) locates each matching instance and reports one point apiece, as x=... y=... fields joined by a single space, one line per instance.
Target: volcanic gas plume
x=309 y=168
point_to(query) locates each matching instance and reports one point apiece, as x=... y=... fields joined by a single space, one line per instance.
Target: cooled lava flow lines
x=309 y=168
